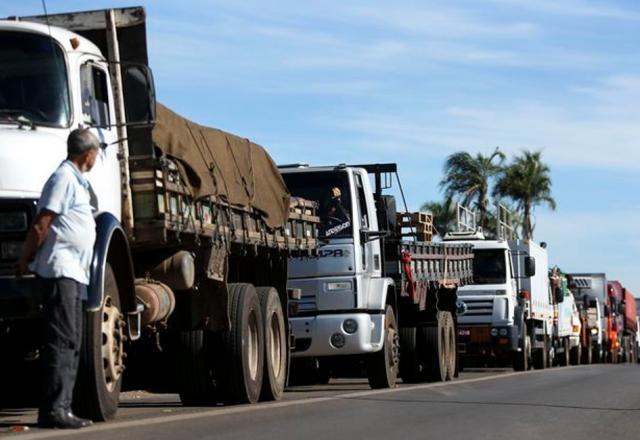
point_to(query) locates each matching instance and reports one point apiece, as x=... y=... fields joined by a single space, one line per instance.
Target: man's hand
x=22 y=268
x=35 y=237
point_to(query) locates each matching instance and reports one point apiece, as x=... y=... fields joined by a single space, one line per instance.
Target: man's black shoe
x=63 y=420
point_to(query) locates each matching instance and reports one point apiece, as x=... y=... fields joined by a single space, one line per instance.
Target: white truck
x=567 y=343
x=509 y=317
x=370 y=295
x=194 y=226
x=591 y=289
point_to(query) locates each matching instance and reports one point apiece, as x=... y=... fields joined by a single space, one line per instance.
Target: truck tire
x=452 y=348
x=411 y=363
x=194 y=368
x=587 y=355
x=575 y=355
x=382 y=366
x=435 y=339
x=522 y=359
x=97 y=390
x=275 y=344
x=240 y=361
x=564 y=359
x=539 y=356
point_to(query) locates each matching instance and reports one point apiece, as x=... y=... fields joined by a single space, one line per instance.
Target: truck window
x=489 y=266
x=331 y=191
x=33 y=79
x=95 y=95
x=362 y=203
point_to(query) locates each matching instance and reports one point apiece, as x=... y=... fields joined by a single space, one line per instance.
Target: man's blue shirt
x=68 y=248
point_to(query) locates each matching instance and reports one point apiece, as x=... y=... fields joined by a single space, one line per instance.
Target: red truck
x=623 y=322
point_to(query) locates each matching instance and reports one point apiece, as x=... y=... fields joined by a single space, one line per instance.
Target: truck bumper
x=487 y=340
x=325 y=335
x=21 y=298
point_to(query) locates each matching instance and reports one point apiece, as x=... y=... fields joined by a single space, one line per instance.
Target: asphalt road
x=590 y=402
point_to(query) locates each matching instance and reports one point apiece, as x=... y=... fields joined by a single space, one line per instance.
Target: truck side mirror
x=139 y=94
x=559 y=295
x=529 y=266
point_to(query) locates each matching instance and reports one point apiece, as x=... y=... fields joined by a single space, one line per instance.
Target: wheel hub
x=112 y=343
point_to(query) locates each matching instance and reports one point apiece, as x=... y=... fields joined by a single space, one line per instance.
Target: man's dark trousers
x=63 y=336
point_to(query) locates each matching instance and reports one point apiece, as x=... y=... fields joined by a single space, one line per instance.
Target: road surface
x=588 y=402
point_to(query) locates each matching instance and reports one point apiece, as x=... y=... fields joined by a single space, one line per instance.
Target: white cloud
x=575 y=8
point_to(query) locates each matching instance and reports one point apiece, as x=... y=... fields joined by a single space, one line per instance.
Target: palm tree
x=467 y=178
x=444 y=215
x=527 y=182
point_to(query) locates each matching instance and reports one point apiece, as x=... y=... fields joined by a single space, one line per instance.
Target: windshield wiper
x=21 y=120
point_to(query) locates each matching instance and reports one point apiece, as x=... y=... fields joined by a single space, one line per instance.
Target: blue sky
x=411 y=82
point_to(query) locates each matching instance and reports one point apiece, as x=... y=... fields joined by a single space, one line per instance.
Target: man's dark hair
x=81 y=140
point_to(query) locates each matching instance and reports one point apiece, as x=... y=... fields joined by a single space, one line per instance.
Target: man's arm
x=35 y=237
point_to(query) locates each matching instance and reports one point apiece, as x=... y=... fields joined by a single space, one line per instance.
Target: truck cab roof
x=61 y=36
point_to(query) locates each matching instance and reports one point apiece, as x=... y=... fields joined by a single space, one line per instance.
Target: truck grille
x=479 y=307
x=307 y=303
x=478 y=311
x=13 y=238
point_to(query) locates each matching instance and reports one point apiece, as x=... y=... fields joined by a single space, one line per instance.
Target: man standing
x=60 y=242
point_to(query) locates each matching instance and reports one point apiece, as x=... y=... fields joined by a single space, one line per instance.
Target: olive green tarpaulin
x=217 y=163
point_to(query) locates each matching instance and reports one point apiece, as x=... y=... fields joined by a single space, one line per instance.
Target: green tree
x=444 y=215
x=468 y=179
x=527 y=182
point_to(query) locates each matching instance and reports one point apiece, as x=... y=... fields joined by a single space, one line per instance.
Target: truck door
x=97 y=111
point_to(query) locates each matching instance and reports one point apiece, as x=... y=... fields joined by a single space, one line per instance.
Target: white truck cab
x=51 y=82
x=509 y=316
x=341 y=311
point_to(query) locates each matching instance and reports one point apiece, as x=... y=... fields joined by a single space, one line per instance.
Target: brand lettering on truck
x=335 y=253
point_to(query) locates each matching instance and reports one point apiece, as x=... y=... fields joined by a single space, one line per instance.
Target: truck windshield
x=489 y=266
x=33 y=80
x=331 y=191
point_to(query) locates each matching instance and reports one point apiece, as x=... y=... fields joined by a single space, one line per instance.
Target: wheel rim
x=275 y=346
x=252 y=347
x=112 y=343
x=393 y=341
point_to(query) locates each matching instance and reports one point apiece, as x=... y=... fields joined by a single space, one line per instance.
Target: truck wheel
x=241 y=358
x=522 y=359
x=564 y=359
x=97 y=390
x=275 y=344
x=587 y=356
x=576 y=355
x=540 y=356
x=452 y=348
x=435 y=339
x=411 y=366
x=194 y=368
x=382 y=366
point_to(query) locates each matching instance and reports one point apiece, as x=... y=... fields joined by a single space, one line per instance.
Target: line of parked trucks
x=220 y=276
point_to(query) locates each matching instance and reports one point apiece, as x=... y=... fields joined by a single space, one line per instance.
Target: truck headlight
x=338 y=285
x=10 y=250
x=13 y=221
x=350 y=326
x=338 y=340
x=594 y=331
